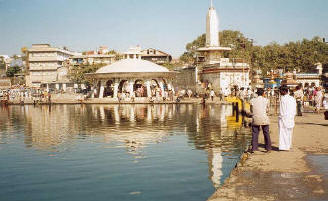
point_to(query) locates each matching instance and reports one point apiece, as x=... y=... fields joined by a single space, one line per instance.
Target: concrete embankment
x=68 y=100
x=298 y=174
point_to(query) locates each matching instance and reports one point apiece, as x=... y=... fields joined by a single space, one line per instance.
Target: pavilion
x=132 y=75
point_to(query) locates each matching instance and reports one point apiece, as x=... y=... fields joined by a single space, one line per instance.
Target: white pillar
x=148 y=88
x=57 y=86
x=131 y=83
x=64 y=87
x=116 y=84
x=102 y=89
x=47 y=87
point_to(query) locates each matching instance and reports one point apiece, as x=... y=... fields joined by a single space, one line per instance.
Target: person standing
x=212 y=94
x=298 y=94
x=220 y=94
x=318 y=99
x=259 y=110
x=286 y=119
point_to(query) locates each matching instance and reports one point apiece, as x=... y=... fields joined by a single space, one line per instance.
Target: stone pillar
x=161 y=85
x=148 y=88
x=57 y=86
x=116 y=84
x=64 y=87
x=102 y=89
x=131 y=83
x=47 y=87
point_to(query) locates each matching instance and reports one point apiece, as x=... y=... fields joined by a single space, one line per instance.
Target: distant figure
x=189 y=93
x=220 y=94
x=212 y=94
x=286 y=119
x=298 y=94
x=259 y=110
x=318 y=99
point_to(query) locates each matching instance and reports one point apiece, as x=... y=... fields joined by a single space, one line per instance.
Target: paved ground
x=299 y=174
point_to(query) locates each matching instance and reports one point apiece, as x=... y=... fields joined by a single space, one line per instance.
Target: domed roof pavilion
x=131 y=75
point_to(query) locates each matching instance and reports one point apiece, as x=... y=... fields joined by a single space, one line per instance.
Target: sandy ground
x=282 y=175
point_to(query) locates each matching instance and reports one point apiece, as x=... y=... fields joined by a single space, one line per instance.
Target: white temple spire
x=212 y=28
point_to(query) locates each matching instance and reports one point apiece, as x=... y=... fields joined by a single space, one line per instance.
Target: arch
x=139 y=88
x=109 y=89
x=122 y=87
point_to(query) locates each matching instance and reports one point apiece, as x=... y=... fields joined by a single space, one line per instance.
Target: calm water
x=119 y=152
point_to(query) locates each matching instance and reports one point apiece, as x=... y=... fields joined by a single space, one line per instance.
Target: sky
x=167 y=25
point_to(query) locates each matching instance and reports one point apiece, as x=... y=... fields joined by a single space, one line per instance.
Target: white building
x=217 y=71
x=47 y=66
x=92 y=59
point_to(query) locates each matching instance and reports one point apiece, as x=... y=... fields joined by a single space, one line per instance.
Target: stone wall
x=186 y=79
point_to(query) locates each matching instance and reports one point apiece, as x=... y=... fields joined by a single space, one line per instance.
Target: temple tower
x=212 y=28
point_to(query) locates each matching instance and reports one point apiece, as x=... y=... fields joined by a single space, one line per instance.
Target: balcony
x=45 y=59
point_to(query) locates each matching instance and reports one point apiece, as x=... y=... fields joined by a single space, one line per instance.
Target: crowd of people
x=22 y=94
x=291 y=103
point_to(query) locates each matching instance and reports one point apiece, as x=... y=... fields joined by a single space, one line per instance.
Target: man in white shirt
x=286 y=119
x=212 y=94
x=259 y=109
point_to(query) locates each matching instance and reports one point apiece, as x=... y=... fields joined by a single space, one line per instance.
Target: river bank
x=299 y=174
x=75 y=100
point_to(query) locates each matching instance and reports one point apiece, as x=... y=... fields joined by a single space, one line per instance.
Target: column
x=131 y=83
x=102 y=89
x=47 y=87
x=116 y=84
x=93 y=92
x=57 y=86
x=148 y=88
x=64 y=87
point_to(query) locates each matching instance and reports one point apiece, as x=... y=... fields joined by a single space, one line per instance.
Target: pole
x=237 y=112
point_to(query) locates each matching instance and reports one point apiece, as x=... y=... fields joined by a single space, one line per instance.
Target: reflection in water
x=133 y=127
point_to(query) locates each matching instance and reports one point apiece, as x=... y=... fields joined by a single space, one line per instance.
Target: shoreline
x=115 y=102
x=283 y=175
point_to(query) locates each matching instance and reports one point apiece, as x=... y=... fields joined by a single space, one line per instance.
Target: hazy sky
x=167 y=25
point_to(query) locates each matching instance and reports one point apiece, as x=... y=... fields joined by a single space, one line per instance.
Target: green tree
x=77 y=73
x=300 y=55
x=12 y=71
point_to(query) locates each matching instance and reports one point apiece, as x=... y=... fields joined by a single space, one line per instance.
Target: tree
x=12 y=71
x=77 y=73
x=300 y=55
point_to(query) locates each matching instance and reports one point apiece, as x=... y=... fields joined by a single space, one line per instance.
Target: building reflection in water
x=133 y=127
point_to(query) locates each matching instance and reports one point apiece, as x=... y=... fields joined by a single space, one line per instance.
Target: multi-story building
x=156 y=56
x=92 y=59
x=46 y=66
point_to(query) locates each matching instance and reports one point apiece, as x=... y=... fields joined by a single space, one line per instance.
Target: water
x=118 y=152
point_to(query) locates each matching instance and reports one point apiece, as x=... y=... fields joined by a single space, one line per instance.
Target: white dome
x=132 y=66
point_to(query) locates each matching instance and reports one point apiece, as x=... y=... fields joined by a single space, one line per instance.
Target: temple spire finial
x=211 y=3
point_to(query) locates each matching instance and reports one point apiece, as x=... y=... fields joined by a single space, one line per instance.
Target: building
x=92 y=59
x=131 y=75
x=309 y=78
x=156 y=56
x=6 y=60
x=216 y=71
x=48 y=66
